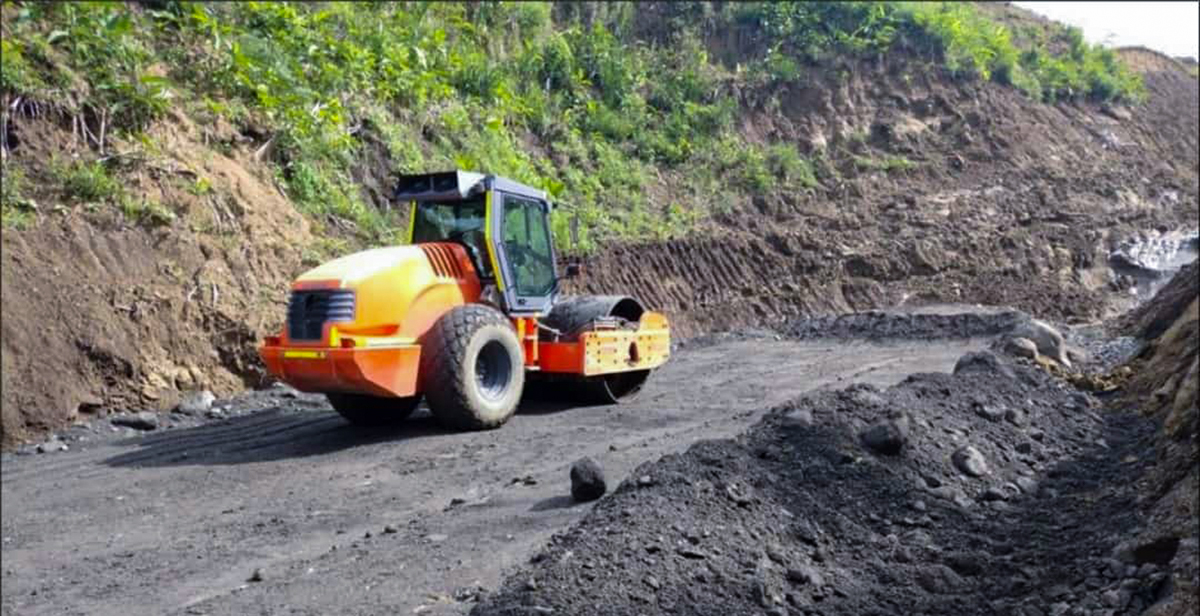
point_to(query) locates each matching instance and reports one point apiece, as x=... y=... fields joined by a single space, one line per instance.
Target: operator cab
x=504 y=225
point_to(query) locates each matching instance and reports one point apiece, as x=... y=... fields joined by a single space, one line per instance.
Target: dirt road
x=178 y=521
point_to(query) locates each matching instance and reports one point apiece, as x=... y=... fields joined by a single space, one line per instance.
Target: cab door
x=525 y=252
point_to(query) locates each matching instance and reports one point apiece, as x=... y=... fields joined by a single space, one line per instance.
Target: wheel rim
x=493 y=370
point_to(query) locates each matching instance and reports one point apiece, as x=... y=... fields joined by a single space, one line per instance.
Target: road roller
x=461 y=315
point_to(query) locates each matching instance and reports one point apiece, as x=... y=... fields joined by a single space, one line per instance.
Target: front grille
x=309 y=311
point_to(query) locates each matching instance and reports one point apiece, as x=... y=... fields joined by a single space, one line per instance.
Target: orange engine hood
x=399 y=291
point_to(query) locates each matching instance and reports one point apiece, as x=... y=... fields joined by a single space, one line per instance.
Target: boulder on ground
x=1021 y=347
x=968 y=460
x=1048 y=340
x=887 y=437
x=587 y=480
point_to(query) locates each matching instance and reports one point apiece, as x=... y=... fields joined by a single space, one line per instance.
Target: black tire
x=364 y=410
x=472 y=368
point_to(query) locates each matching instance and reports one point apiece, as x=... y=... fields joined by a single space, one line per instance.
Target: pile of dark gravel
x=995 y=490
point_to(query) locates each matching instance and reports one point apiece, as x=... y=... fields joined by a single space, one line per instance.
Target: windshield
x=454 y=221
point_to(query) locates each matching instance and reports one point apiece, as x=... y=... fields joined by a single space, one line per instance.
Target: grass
x=591 y=105
x=87 y=182
x=16 y=211
x=886 y=164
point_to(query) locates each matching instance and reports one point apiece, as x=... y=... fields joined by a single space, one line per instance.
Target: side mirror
x=573 y=270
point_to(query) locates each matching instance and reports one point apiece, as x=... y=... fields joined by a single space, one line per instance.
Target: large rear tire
x=473 y=368
x=364 y=410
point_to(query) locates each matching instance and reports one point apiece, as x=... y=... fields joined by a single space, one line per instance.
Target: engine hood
x=399 y=290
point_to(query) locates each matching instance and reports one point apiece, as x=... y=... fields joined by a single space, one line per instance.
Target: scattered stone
x=887 y=438
x=735 y=494
x=652 y=582
x=994 y=494
x=690 y=552
x=1024 y=447
x=805 y=574
x=389 y=529
x=968 y=460
x=436 y=538
x=990 y=412
x=587 y=480
x=52 y=446
x=1016 y=417
x=1021 y=347
x=1049 y=341
x=257 y=576
x=196 y=403
x=138 y=421
x=939 y=579
x=645 y=481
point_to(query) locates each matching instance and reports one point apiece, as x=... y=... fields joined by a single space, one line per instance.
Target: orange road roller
x=460 y=315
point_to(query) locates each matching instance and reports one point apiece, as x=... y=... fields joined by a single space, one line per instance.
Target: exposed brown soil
x=102 y=313
x=1011 y=203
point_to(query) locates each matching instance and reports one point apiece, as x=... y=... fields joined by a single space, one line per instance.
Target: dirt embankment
x=1164 y=386
x=991 y=198
x=102 y=313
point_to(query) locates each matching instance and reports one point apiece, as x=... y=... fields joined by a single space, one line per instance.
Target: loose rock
x=1048 y=340
x=196 y=403
x=587 y=480
x=968 y=460
x=888 y=437
x=138 y=421
x=1021 y=347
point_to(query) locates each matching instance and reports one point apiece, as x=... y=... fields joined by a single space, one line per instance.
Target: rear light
x=271 y=341
x=347 y=343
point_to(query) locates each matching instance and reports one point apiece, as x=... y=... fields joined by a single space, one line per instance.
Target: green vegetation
x=589 y=101
x=87 y=182
x=16 y=211
x=887 y=164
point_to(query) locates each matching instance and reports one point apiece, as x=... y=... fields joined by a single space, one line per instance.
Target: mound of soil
x=994 y=490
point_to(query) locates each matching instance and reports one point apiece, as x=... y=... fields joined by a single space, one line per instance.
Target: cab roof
x=458 y=184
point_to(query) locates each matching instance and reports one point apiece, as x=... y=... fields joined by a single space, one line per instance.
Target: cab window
x=527 y=246
x=455 y=221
